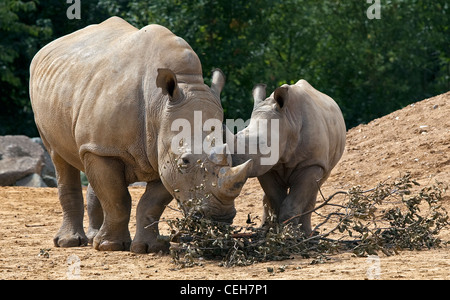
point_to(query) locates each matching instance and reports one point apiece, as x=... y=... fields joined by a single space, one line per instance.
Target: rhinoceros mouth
x=216 y=212
x=221 y=219
x=213 y=216
x=220 y=215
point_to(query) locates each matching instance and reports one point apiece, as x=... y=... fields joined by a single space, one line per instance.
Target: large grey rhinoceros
x=104 y=99
x=307 y=132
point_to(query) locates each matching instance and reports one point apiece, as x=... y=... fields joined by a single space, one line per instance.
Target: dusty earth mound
x=415 y=139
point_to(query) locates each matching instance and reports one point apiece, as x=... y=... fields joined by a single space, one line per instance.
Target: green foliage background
x=370 y=67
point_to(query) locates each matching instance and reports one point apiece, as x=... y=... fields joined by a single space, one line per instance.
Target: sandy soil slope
x=414 y=139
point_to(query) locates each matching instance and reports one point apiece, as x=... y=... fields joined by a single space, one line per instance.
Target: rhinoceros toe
x=70 y=240
x=112 y=246
x=150 y=247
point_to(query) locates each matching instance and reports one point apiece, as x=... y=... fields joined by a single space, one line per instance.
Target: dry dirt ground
x=415 y=139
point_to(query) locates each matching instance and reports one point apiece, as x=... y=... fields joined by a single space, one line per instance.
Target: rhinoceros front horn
x=231 y=179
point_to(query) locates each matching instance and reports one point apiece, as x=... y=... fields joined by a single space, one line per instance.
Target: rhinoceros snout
x=219 y=214
x=224 y=218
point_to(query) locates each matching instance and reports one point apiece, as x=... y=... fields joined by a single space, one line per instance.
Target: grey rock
x=19 y=157
x=139 y=183
x=33 y=180
x=49 y=168
x=50 y=181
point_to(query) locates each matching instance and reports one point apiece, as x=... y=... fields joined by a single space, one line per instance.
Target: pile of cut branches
x=389 y=218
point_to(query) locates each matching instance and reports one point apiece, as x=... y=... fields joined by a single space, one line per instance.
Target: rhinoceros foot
x=112 y=239
x=154 y=246
x=109 y=242
x=70 y=239
x=112 y=246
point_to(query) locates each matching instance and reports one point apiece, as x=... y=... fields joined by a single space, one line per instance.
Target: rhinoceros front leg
x=106 y=176
x=149 y=210
x=71 y=233
x=302 y=197
x=275 y=191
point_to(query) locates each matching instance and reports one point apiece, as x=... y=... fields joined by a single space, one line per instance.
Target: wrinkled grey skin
x=311 y=142
x=104 y=98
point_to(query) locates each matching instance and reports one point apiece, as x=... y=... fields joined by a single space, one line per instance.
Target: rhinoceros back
x=322 y=132
x=94 y=90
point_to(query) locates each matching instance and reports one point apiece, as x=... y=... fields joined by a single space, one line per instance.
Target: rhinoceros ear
x=217 y=82
x=167 y=81
x=281 y=96
x=259 y=94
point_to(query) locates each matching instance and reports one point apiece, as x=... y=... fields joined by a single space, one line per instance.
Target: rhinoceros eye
x=184 y=160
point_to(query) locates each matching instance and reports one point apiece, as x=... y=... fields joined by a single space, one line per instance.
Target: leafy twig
x=357 y=228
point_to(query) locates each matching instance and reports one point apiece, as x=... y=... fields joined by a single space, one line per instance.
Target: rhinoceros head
x=192 y=164
x=269 y=125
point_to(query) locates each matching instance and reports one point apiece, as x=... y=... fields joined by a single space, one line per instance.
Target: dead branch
x=316 y=208
x=34 y=225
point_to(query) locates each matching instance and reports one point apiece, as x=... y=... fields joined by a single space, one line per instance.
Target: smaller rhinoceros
x=307 y=132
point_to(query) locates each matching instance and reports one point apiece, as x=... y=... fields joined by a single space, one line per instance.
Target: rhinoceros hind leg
x=107 y=179
x=149 y=210
x=95 y=213
x=71 y=233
